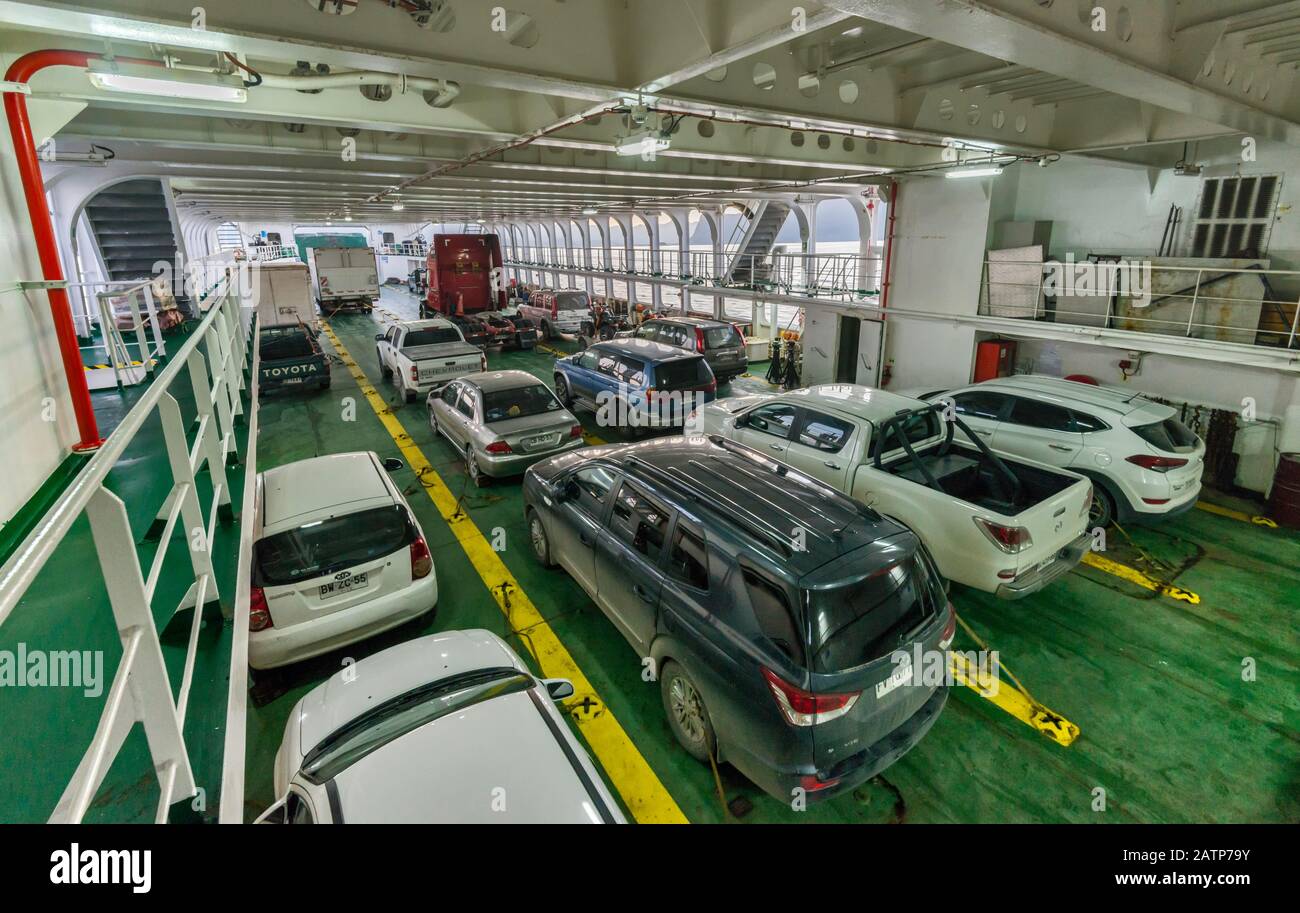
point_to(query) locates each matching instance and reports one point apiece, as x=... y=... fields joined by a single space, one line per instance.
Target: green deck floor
x=1169 y=728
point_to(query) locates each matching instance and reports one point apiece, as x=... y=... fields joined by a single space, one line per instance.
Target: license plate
x=294 y=380
x=541 y=440
x=335 y=587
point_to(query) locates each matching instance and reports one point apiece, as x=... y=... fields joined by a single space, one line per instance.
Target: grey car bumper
x=1033 y=581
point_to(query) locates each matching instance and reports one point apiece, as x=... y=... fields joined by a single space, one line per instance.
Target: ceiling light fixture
x=398 y=206
x=992 y=171
x=647 y=142
x=137 y=79
x=589 y=211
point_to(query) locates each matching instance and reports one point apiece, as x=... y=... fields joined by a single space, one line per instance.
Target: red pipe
x=20 y=129
x=889 y=246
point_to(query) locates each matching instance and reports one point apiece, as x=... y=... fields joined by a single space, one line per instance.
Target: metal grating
x=1234 y=217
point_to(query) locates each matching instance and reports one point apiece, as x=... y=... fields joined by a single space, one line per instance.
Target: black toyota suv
x=776 y=610
x=721 y=344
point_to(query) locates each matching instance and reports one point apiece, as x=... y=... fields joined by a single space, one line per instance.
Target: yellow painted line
x=1012 y=701
x=1236 y=514
x=642 y=791
x=1133 y=575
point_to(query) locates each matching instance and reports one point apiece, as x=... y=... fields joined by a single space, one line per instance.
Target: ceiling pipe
x=444 y=91
x=29 y=169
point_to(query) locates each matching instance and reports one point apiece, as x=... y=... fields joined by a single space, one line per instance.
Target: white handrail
x=141 y=691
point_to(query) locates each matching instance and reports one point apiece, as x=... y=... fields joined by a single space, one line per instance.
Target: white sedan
x=451 y=728
x=337 y=556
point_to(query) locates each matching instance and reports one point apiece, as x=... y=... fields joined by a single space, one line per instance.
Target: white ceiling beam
x=978 y=26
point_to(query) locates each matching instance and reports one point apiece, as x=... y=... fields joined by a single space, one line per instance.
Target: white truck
x=284 y=294
x=1001 y=525
x=419 y=355
x=345 y=277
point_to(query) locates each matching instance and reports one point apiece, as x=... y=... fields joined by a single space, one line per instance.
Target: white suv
x=1143 y=461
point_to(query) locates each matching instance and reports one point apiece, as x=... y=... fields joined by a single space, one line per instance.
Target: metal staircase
x=133 y=229
x=749 y=265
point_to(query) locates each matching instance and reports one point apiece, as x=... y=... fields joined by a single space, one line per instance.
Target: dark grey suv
x=769 y=603
x=718 y=341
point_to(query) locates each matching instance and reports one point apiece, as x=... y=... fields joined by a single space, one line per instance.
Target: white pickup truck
x=1001 y=525
x=422 y=354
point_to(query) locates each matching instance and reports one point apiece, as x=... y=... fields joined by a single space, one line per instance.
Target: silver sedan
x=503 y=422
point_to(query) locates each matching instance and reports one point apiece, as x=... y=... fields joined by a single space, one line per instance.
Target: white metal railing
x=835 y=276
x=213 y=360
x=405 y=249
x=1245 y=305
x=266 y=252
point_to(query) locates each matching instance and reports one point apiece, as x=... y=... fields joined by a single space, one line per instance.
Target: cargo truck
x=290 y=353
x=345 y=278
x=465 y=284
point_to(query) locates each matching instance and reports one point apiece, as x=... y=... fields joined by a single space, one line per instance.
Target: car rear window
x=328 y=546
x=431 y=336
x=520 y=402
x=919 y=426
x=682 y=373
x=572 y=301
x=863 y=621
x=721 y=337
x=1171 y=435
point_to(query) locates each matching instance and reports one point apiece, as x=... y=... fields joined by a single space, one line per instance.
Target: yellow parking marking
x=1236 y=514
x=1133 y=575
x=642 y=791
x=1012 y=701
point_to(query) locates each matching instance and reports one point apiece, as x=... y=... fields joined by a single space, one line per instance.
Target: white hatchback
x=337 y=556
x=451 y=728
x=1143 y=461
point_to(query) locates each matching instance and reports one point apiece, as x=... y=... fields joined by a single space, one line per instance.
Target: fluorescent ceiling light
x=989 y=172
x=589 y=211
x=398 y=206
x=646 y=142
x=136 y=79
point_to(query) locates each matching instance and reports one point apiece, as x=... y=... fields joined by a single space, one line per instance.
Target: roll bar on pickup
x=898 y=423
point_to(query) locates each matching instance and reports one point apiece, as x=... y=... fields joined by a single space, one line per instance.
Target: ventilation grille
x=1234 y=217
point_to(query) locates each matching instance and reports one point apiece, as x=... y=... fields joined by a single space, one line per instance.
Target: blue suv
x=635 y=383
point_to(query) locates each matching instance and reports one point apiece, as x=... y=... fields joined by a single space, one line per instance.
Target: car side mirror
x=276 y=814
x=392 y=464
x=558 y=688
x=379 y=337
x=568 y=491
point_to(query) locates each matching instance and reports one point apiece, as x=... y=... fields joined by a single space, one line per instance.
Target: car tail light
x=498 y=447
x=1155 y=502
x=1156 y=463
x=575 y=431
x=699 y=339
x=809 y=783
x=1087 y=503
x=555 y=308
x=711 y=386
x=415 y=373
x=259 y=615
x=1011 y=539
x=949 y=630
x=803 y=708
x=421 y=560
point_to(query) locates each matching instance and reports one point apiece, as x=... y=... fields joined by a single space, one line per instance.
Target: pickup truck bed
x=967 y=474
x=291 y=357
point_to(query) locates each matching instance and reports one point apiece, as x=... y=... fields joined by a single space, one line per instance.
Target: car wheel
x=562 y=393
x=409 y=395
x=473 y=470
x=546 y=330
x=1102 y=511
x=688 y=718
x=433 y=423
x=386 y=371
x=537 y=536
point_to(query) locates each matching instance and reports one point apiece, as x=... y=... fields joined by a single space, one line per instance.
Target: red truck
x=466 y=284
